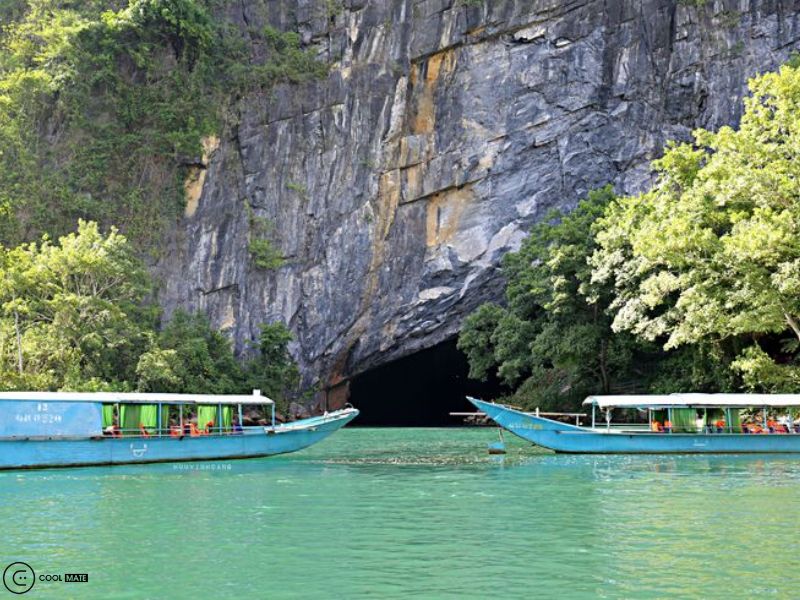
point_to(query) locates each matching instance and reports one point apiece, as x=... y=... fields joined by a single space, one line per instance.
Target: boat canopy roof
x=694 y=400
x=135 y=398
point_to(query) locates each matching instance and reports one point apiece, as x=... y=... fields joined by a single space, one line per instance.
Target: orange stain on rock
x=444 y=214
x=437 y=65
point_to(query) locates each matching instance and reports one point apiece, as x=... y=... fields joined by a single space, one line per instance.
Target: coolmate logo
x=19 y=578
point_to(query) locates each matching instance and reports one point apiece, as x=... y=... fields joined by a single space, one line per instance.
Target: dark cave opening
x=419 y=390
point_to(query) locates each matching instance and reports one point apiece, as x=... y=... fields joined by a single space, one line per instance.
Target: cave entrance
x=419 y=390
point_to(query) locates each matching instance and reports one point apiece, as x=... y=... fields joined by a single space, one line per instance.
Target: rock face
x=445 y=129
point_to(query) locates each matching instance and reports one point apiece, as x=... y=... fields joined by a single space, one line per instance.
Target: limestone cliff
x=444 y=130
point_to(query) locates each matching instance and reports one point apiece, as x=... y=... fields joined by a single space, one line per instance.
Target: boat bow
x=528 y=426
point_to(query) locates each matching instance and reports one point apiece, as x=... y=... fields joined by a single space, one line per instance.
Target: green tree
x=553 y=341
x=273 y=371
x=158 y=370
x=189 y=356
x=75 y=315
x=72 y=311
x=711 y=254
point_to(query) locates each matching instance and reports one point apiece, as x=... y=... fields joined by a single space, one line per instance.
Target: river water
x=412 y=513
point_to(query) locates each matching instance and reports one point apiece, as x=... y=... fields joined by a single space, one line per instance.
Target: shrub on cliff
x=103 y=111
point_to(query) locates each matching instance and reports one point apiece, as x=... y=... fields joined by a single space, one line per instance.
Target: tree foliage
x=189 y=356
x=712 y=252
x=72 y=311
x=74 y=314
x=273 y=371
x=553 y=340
x=693 y=285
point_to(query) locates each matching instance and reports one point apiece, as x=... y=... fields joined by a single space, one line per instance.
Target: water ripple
x=414 y=513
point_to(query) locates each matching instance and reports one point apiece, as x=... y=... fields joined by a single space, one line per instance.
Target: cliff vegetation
x=103 y=110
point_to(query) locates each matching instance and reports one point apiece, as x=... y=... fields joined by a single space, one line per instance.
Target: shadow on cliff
x=419 y=390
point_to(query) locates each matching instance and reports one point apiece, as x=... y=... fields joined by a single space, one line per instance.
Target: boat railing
x=625 y=426
x=175 y=431
x=705 y=430
x=536 y=413
x=191 y=430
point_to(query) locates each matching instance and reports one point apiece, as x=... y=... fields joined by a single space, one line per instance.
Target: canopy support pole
x=239 y=410
x=593 y=408
x=669 y=418
x=273 y=415
x=219 y=419
x=728 y=420
x=764 y=415
x=158 y=426
x=180 y=416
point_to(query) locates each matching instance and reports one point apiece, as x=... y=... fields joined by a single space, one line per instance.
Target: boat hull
x=565 y=438
x=49 y=453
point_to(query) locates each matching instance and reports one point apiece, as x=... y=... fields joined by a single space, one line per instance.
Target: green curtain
x=165 y=416
x=129 y=417
x=108 y=415
x=148 y=416
x=684 y=419
x=206 y=413
x=227 y=417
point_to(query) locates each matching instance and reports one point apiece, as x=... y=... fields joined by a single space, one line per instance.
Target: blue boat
x=677 y=424
x=66 y=429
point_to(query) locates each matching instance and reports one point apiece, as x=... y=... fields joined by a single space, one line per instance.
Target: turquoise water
x=411 y=513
